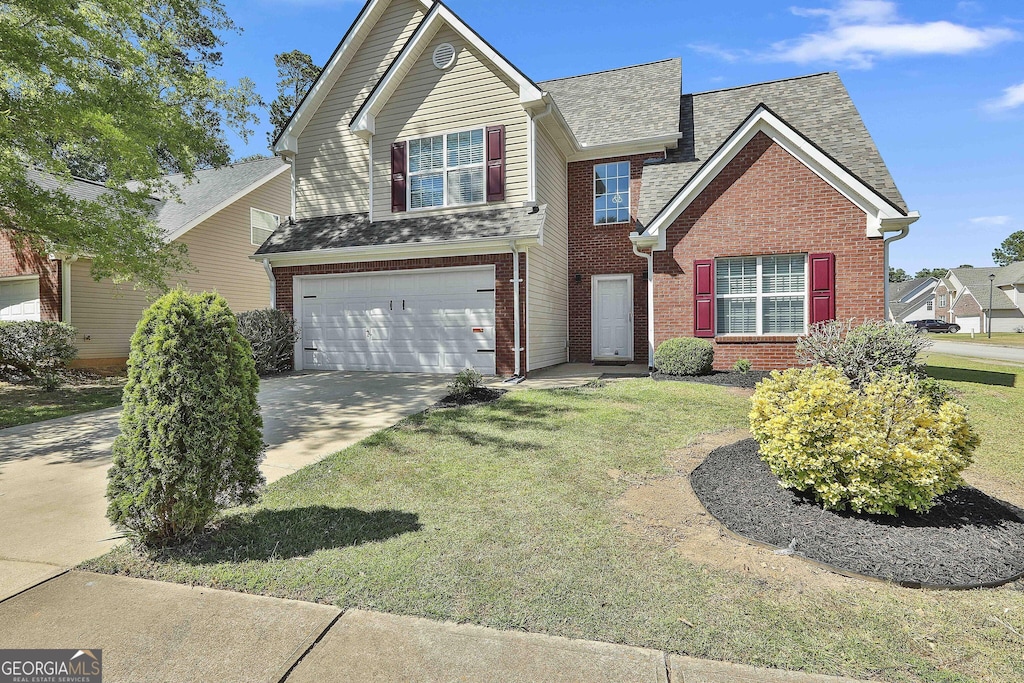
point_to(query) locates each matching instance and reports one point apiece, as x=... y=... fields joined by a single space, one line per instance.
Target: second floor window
x=611 y=193
x=262 y=225
x=942 y=300
x=447 y=170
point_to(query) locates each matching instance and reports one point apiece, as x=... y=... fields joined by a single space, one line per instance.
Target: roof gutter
x=487 y=245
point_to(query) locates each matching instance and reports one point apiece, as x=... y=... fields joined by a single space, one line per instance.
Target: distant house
x=962 y=296
x=912 y=300
x=223 y=216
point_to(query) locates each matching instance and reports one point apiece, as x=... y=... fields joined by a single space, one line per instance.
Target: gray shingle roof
x=898 y=290
x=1011 y=274
x=76 y=188
x=621 y=105
x=975 y=280
x=355 y=230
x=209 y=188
x=818 y=106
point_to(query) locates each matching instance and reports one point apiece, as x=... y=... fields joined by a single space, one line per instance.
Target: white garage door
x=969 y=323
x=439 y=320
x=19 y=299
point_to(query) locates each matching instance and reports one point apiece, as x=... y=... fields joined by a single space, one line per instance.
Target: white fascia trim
x=880 y=214
x=178 y=232
x=491 y=245
x=363 y=122
x=654 y=144
x=366 y=19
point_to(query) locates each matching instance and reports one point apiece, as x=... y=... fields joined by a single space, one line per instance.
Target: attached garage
x=439 y=320
x=19 y=299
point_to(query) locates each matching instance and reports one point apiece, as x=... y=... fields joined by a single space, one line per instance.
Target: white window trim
x=759 y=296
x=444 y=171
x=593 y=193
x=252 y=226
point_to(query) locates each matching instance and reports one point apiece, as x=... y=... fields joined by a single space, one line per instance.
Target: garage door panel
x=19 y=300
x=354 y=327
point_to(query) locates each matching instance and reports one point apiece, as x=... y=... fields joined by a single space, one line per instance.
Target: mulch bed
x=722 y=378
x=968 y=539
x=472 y=397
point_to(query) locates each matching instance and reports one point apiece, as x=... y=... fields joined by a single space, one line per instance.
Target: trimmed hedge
x=685 y=356
x=191 y=431
x=896 y=442
x=40 y=351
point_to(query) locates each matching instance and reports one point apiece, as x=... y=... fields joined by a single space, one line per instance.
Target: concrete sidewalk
x=155 y=631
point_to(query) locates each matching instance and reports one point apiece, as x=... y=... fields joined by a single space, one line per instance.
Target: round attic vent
x=444 y=55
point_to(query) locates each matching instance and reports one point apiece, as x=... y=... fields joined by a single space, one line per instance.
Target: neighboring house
x=968 y=289
x=448 y=211
x=913 y=300
x=223 y=215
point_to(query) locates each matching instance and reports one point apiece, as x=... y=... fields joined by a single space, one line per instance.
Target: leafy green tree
x=931 y=272
x=1011 y=250
x=118 y=91
x=296 y=74
x=897 y=275
x=191 y=431
x=965 y=265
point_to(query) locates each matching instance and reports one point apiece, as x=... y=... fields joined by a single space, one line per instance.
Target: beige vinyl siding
x=547 y=280
x=219 y=249
x=428 y=101
x=105 y=314
x=332 y=164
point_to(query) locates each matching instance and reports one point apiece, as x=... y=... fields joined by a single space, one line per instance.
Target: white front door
x=439 y=320
x=612 y=314
x=19 y=299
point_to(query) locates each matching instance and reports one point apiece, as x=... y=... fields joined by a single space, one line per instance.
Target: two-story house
x=450 y=212
x=974 y=297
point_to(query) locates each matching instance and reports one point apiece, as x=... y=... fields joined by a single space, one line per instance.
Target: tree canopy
x=1011 y=250
x=121 y=91
x=897 y=275
x=296 y=74
x=931 y=272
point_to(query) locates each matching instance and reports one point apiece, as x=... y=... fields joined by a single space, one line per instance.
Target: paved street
x=985 y=351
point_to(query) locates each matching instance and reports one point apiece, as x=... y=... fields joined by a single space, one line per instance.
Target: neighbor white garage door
x=19 y=299
x=438 y=320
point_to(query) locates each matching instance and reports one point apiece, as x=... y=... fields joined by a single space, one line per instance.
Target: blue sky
x=940 y=83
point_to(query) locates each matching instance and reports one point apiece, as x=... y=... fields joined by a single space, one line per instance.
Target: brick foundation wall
x=602 y=250
x=766 y=202
x=504 y=295
x=14 y=262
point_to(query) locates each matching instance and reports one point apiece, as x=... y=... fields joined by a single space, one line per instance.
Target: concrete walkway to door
x=53 y=473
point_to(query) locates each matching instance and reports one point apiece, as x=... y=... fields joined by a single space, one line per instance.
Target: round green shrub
x=685 y=356
x=896 y=442
x=191 y=431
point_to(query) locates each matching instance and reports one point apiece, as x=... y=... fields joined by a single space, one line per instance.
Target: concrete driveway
x=53 y=473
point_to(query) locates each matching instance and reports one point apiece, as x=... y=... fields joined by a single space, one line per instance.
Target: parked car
x=932 y=325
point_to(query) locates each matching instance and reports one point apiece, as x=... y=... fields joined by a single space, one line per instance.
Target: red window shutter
x=704 y=298
x=495 y=163
x=398 y=178
x=822 y=287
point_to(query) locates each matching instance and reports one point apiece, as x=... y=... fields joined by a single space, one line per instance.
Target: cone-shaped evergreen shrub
x=191 y=433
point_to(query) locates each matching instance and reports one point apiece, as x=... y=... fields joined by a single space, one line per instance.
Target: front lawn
x=568 y=512
x=24 y=403
x=1015 y=339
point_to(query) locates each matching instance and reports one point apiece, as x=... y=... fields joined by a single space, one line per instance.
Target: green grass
x=1014 y=339
x=504 y=515
x=22 y=404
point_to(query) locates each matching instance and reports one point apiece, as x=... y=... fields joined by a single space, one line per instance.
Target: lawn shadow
x=293 y=532
x=1000 y=379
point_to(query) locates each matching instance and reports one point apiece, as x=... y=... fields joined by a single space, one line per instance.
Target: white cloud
x=722 y=53
x=861 y=31
x=1011 y=98
x=991 y=220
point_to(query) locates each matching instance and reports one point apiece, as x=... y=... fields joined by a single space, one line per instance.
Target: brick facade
x=504 y=294
x=602 y=250
x=766 y=202
x=967 y=306
x=15 y=262
x=942 y=312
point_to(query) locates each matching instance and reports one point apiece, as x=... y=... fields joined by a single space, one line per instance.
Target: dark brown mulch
x=968 y=539
x=471 y=397
x=723 y=378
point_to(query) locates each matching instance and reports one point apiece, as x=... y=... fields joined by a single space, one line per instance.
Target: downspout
x=531 y=145
x=649 y=256
x=65 y=289
x=515 y=316
x=904 y=231
x=273 y=282
x=370 y=207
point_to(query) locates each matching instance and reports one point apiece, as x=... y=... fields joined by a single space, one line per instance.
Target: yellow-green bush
x=891 y=445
